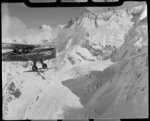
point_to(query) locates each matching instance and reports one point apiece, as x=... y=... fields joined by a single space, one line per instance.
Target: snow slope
x=101 y=70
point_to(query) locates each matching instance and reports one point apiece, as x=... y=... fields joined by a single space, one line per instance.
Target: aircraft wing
x=16 y=46
x=51 y=45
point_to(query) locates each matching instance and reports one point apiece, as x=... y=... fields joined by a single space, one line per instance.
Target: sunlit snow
x=101 y=70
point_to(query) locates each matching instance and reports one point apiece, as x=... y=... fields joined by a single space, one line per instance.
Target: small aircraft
x=26 y=52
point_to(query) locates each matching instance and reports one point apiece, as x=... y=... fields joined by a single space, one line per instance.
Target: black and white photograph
x=74 y=63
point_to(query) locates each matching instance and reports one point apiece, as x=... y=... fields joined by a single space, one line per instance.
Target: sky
x=51 y=16
x=17 y=17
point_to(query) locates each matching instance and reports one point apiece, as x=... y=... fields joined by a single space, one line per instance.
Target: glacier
x=101 y=70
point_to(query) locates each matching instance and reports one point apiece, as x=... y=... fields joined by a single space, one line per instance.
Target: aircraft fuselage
x=35 y=55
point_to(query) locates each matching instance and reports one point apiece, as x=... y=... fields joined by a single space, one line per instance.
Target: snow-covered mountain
x=98 y=36
x=101 y=70
x=37 y=35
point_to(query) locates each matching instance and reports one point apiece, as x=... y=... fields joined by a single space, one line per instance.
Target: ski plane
x=26 y=52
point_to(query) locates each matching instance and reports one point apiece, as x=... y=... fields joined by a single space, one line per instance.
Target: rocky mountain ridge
x=84 y=45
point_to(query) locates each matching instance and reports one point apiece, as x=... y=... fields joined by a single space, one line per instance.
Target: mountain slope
x=122 y=92
x=101 y=70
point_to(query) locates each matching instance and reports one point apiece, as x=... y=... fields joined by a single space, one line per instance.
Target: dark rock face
x=102 y=92
x=124 y=81
x=13 y=92
x=84 y=57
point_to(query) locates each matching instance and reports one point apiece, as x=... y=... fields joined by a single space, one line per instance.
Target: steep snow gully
x=101 y=70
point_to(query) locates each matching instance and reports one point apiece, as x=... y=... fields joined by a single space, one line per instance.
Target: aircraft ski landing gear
x=34 y=68
x=44 y=66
